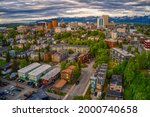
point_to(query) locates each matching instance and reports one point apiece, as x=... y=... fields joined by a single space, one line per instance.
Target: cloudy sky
x=25 y=10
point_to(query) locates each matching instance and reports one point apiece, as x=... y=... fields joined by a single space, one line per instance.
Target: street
x=79 y=90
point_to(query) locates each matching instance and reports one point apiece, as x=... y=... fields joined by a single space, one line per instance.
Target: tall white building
x=100 y=22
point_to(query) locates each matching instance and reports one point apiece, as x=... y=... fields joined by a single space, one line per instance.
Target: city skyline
x=28 y=10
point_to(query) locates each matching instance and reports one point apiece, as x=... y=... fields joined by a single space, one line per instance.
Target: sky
x=28 y=10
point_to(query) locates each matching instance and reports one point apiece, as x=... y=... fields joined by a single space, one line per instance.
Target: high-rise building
x=49 y=25
x=100 y=22
x=105 y=20
x=54 y=23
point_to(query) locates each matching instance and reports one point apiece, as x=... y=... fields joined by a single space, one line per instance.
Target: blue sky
x=25 y=10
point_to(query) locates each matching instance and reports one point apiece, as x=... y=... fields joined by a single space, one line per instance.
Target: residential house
x=115 y=89
x=98 y=80
x=6 y=70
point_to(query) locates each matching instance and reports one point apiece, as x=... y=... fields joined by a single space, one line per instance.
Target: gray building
x=23 y=73
x=98 y=79
x=120 y=55
x=35 y=75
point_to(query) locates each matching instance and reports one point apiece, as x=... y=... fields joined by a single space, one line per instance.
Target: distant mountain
x=124 y=19
x=134 y=19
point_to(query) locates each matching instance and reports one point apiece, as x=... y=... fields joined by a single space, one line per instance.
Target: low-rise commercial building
x=35 y=75
x=23 y=73
x=51 y=76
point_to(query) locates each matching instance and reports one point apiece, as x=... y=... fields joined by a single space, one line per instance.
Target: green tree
x=8 y=58
x=12 y=33
x=63 y=65
x=1 y=36
x=15 y=65
x=23 y=63
x=129 y=48
x=71 y=51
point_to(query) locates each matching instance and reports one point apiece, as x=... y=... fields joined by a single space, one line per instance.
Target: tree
x=129 y=48
x=15 y=65
x=48 y=48
x=71 y=51
x=40 y=33
x=23 y=63
x=63 y=65
x=1 y=36
x=12 y=33
x=39 y=55
x=8 y=57
x=27 y=58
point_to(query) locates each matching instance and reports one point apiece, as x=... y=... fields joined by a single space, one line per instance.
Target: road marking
x=86 y=88
x=66 y=96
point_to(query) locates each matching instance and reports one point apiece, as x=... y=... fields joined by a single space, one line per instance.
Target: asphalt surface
x=79 y=90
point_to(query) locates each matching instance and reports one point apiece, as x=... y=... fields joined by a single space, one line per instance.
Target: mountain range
x=124 y=19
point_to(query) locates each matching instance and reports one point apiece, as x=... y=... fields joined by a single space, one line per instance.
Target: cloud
x=23 y=10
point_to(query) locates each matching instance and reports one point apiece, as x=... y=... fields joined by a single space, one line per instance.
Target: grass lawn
x=2 y=62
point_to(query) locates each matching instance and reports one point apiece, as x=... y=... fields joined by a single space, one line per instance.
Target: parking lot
x=13 y=90
x=9 y=91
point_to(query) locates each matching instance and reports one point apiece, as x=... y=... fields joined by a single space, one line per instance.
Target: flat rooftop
x=39 y=70
x=51 y=73
x=29 y=67
x=123 y=52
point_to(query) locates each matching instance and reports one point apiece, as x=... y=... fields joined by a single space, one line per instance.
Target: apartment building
x=67 y=74
x=120 y=55
x=59 y=56
x=75 y=48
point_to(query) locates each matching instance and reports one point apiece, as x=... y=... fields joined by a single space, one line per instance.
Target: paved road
x=79 y=90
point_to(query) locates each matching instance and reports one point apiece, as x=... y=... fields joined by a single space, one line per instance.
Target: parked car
x=30 y=83
x=21 y=81
x=77 y=82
